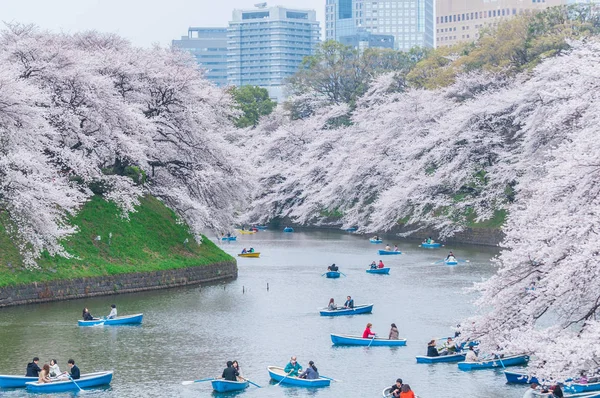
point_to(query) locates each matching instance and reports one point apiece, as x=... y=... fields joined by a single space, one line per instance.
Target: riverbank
x=110 y=254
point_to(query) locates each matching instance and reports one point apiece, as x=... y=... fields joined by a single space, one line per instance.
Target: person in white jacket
x=471 y=356
x=530 y=393
x=54 y=369
x=113 y=312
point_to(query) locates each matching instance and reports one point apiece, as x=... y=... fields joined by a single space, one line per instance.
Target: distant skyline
x=143 y=22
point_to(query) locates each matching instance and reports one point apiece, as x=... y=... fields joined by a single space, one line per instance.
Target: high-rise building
x=267 y=44
x=461 y=20
x=411 y=22
x=209 y=46
x=361 y=40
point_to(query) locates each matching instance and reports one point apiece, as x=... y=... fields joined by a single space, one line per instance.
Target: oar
x=188 y=382
x=253 y=383
x=329 y=378
x=290 y=372
x=343 y=274
x=372 y=338
x=80 y=389
x=439 y=261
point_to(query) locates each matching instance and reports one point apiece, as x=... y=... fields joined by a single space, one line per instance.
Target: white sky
x=143 y=22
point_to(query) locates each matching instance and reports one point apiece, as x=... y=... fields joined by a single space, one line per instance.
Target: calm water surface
x=189 y=333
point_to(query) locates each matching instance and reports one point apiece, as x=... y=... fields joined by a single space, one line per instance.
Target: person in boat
x=311 y=372
x=333 y=268
x=44 y=376
x=75 y=373
x=229 y=373
x=349 y=302
x=396 y=389
x=251 y=250
x=373 y=265
x=368 y=333
x=33 y=369
x=380 y=265
x=236 y=366
x=54 y=369
x=406 y=392
x=376 y=237
x=448 y=347
x=388 y=248
x=431 y=350
x=450 y=257
x=557 y=391
x=113 y=312
x=293 y=367
x=331 y=306
x=393 y=332
x=229 y=234
x=582 y=378
x=471 y=356
x=429 y=240
x=396 y=248
x=531 y=391
x=244 y=251
x=86 y=315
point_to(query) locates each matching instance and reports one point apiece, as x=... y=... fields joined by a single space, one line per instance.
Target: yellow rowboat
x=255 y=254
x=244 y=232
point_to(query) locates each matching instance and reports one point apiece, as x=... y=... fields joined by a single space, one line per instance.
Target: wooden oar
x=188 y=382
x=329 y=378
x=290 y=372
x=253 y=383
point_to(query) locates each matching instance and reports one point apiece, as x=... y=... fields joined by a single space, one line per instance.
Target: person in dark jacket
x=33 y=370
x=86 y=315
x=396 y=388
x=229 y=373
x=311 y=372
x=75 y=374
x=349 y=302
x=431 y=350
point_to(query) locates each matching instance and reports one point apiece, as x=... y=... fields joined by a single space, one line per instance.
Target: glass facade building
x=266 y=46
x=411 y=22
x=209 y=47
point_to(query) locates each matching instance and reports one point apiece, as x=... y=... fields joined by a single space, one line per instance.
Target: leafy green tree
x=254 y=102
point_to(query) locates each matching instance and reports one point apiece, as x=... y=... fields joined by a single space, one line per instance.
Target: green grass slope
x=150 y=240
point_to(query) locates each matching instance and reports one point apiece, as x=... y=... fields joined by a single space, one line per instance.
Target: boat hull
x=389 y=252
x=579 y=388
x=120 y=320
x=375 y=240
x=279 y=375
x=441 y=358
x=519 y=378
x=341 y=339
x=378 y=271
x=288 y=230
x=332 y=274
x=494 y=363
x=431 y=245
x=229 y=238
x=261 y=227
x=226 y=385
x=8 y=381
x=86 y=381
x=359 y=309
x=451 y=262
x=250 y=255
x=244 y=232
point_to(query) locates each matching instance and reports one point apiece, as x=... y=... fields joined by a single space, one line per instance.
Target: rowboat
x=495 y=363
x=451 y=262
x=261 y=227
x=244 y=232
x=359 y=309
x=227 y=385
x=86 y=381
x=519 y=378
x=120 y=320
x=345 y=339
x=431 y=245
x=386 y=393
x=389 y=252
x=580 y=388
x=378 y=271
x=332 y=274
x=279 y=375
x=229 y=238
x=253 y=254
x=288 y=229
x=375 y=240
x=441 y=358
x=8 y=381
x=579 y=395
x=351 y=229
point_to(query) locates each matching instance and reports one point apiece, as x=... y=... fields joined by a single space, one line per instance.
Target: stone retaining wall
x=39 y=292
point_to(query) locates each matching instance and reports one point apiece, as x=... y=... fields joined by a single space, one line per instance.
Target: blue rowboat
x=86 y=381
x=345 y=339
x=279 y=375
x=332 y=274
x=288 y=229
x=226 y=385
x=580 y=388
x=431 y=245
x=375 y=240
x=359 y=309
x=379 y=271
x=495 y=363
x=389 y=252
x=120 y=320
x=519 y=378
x=261 y=227
x=229 y=238
x=442 y=358
x=451 y=262
x=351 y=229
x=8 y=381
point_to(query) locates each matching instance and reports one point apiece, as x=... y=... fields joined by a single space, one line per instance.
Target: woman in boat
x=331 y=306
x=393 y=332
x=293 y=367
x=368 y=333
x=471 y=356
x=373 y=265
x=388 y=248
x=557 y=392
x=251 y=250
x=244 y=251
x=44 y=376
x=380 y=265
x=113 y=312
x=396 y=248
x=431 y=350
x=86 y=315
x=236 y=366
x=54 y=369
x=311 y=372
x=406 y=392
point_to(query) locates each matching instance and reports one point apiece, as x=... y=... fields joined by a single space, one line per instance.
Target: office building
x=267 y=44
x=209 y=47
x=362 y=39
x=461 y=20
x=411 y=22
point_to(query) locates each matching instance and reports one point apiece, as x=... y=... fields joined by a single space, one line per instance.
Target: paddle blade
x=188 y=382
x=253 y=383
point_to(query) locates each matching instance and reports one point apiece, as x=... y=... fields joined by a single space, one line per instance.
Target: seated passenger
x=380 y=265
x=311 y=372
x=331 y=306
x=251 y=250
x=373 y=265
x=86 y=315
x=113 y=312
x=44 y=376
x=431 y=350
x=388 y=248
x=244 y=251
x=471 y=356
x=396 y=248
x=349 y=302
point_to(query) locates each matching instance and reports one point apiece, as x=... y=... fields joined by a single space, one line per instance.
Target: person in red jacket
x=368 y=333
x=380 y=265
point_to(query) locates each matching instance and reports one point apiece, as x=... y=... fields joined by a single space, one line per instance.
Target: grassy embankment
x=150 y=240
